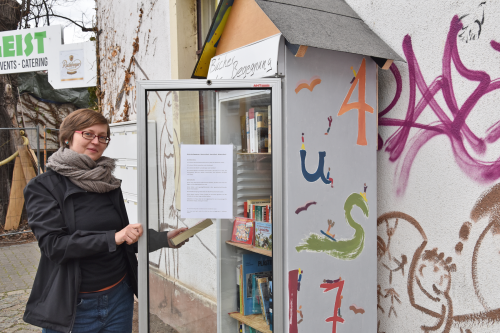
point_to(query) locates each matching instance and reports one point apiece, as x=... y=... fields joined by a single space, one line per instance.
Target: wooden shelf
x=256 y=321
x=251 y=248
x=242 y=153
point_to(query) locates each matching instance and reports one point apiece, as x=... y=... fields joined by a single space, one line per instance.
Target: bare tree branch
x=35 y=17
x=47 y=12
x=23 y=3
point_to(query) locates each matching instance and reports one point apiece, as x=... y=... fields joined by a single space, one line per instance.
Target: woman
x=87 y=273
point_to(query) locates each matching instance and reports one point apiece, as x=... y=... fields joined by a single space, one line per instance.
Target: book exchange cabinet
x=319 y=258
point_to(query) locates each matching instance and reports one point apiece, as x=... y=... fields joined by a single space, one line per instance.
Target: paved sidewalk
x=18 y=264
x=12 y=306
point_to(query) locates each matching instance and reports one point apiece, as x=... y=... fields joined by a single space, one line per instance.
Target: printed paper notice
x=207 y=181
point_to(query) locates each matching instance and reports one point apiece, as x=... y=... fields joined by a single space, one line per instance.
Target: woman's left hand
x=173 y=233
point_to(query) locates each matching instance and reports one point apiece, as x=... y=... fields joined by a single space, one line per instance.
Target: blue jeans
x=107 y=313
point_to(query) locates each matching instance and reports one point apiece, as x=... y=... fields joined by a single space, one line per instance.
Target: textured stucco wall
x=134 y=45
x=438 y=223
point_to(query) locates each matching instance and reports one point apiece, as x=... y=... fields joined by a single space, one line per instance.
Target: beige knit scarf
x=92 y=176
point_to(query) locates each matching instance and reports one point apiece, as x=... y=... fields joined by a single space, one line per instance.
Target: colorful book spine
x=255 y=136
x=262 y=305
x=271 y=210
x=264 y=294
x=251 y=121
x=243 y=131
x=256 y=299
x=238 y=295
x=248 y=133
x=270 y=305
x=242 y=303
x=258 y=213
x=269 y=130
x=262 y=131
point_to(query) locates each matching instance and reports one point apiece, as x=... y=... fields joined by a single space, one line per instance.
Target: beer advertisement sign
x=72 y=65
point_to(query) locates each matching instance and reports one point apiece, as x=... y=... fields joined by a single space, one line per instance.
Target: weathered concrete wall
x=438 y=173
x=182 y=308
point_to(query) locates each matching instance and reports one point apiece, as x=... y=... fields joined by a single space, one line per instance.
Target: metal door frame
x=277 y=159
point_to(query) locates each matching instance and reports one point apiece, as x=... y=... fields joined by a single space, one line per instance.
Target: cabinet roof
x=330 y=6
x=326 y=24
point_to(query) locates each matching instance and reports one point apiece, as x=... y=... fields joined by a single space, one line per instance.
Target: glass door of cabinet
x=202 y=286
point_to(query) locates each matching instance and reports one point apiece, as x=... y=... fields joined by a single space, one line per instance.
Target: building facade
x=438 y=147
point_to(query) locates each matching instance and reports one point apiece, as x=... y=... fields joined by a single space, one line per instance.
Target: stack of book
x=254 y=276
x=253 y=285
x=252 y=232
x=256 y=130
x=258 y=209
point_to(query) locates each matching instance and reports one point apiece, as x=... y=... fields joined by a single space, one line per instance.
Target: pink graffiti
x=403 y=149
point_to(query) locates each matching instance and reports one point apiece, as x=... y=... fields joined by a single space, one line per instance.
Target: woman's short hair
x=77 y=121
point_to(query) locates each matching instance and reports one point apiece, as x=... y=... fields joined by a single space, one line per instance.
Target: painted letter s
x=29 y=45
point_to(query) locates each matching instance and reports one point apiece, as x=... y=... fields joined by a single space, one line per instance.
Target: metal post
x=44 y=148
x=16 y=128
x=38 y=147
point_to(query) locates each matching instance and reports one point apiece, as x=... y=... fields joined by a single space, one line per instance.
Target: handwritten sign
x=256 y=60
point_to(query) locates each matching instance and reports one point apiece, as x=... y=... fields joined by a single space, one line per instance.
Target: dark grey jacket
x=49 y=204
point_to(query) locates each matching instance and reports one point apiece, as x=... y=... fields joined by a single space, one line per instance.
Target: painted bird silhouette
x=344 y=249
x=298 y=210
x=313 y=82
x=356 y=310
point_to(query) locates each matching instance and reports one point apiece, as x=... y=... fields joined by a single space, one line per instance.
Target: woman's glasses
x=91 y=136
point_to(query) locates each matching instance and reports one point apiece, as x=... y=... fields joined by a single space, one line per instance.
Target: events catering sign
x=28 y=50
x=40 y=49
x=256 y=60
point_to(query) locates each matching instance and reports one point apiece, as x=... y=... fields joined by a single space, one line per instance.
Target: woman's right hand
x=129 y=234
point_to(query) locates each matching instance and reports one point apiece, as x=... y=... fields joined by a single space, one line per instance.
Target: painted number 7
x=338 y=299
x=360 y=105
